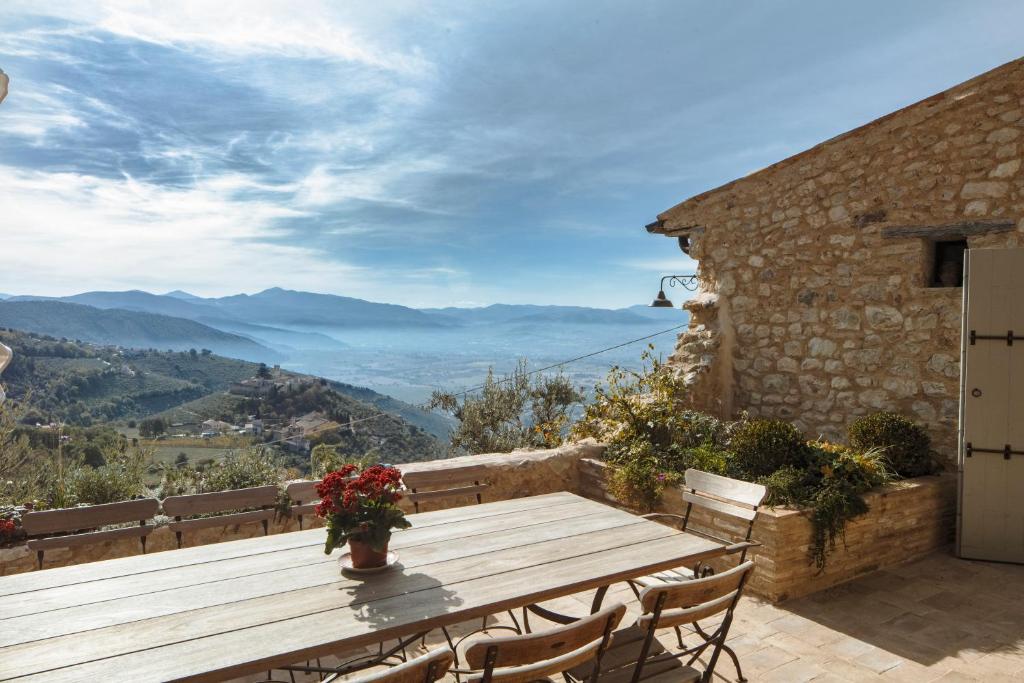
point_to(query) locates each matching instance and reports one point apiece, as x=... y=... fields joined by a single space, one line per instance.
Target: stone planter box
x=906 y=520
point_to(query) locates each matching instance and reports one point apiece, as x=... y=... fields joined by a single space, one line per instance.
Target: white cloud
x=66 y=232
x=241 y=28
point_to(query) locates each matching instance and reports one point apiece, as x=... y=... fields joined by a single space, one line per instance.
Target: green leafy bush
x=762 y=447
x=651 y=436
x=906 y=445
x=255 y=466
x=121 y=478
x=831 y=488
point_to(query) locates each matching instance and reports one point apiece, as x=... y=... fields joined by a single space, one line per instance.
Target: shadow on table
x=396 y=599
x=927 y=610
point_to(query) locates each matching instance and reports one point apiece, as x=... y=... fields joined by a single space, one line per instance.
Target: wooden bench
x=445 y=484
x=304 y=498
x=78 y=526
x=179 y=507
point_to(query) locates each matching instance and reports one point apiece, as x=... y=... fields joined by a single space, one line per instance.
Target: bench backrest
x=220 y=501
x=445 y=484
x=69 y=520
x=302 y=491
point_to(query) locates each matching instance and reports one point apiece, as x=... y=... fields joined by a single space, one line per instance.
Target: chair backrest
x=220 y=501
x=731 y=497
x=445 y=484
x=685 y=602
x=69 y=520
x=304 y=498
x=527 y=658
x=424 y=669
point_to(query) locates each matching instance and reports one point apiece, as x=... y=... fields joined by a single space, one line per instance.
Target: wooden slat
x=222 y=520
x=444 y=476
x=74 y=519
x=307 y=509
x=447 y=541
x=459 y=492
x=205 y=503
x=723 y=487
x=302 y=491
x=105 y=569
x=77 y=540
x=720 y=506
x=422 y=601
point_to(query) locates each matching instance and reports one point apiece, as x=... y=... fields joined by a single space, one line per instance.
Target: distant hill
x=184 y=296
x=266 y=316
x=278 y=306
x=125 y=328
x=518 y=313
x=87 y=384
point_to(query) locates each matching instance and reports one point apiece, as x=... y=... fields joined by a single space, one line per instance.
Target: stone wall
x=905 y=521
x=509 y=475
x=814 y=273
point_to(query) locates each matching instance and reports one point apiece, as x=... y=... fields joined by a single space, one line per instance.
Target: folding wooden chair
x=721 y=496
x=425 y=669
x=533 y=657
x=179 y=507
x=637 y=655
x=69 y=522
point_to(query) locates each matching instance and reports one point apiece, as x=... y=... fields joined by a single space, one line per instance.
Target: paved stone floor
x=936 y=619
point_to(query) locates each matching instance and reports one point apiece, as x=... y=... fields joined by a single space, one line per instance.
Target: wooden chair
x=304 y=498
x=70 y=521
x=425 y=669
x=262 y=497
x=527 y=658
x=445 y=484
x=740 y=500
x=637 y=655
x=719 y=495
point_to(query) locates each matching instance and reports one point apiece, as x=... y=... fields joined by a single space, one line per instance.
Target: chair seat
x=619 y=661
x=666 y=576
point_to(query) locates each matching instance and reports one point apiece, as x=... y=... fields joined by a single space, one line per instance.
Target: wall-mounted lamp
x=4 y=80
x=687 y=282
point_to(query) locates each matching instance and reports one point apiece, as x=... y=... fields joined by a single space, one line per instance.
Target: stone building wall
x=814 y=303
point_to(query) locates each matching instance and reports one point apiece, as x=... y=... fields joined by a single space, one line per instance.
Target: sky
x=427 y=154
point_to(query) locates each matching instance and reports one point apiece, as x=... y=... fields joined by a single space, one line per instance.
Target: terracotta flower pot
x=365 y=557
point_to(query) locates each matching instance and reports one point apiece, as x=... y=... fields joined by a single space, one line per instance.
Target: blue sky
x=429 y=154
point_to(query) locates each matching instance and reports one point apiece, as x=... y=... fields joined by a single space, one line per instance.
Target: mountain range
x=265 y=325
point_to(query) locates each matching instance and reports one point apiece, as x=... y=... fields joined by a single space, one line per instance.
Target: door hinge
x=1009 y=337
x=1006 y=451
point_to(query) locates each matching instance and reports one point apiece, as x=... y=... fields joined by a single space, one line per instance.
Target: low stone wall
x=509 y=475
x=906 y=520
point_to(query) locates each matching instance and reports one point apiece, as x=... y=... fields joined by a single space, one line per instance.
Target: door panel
x=991 y=486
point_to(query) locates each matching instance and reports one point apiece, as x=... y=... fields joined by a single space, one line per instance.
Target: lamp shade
x=661 y=301
x=4 y=80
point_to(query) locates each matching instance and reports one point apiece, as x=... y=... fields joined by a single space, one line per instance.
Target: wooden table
x=219 y=611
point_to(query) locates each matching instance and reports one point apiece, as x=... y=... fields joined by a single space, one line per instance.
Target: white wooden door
x=991 y=523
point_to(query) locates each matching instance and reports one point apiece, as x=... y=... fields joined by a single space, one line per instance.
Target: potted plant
x=361 y=509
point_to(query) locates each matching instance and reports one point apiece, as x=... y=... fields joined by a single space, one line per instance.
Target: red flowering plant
x=361 y=507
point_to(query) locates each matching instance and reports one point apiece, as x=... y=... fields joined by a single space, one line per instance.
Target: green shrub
x=906 y=445
x=121 y=478
x=762 y=447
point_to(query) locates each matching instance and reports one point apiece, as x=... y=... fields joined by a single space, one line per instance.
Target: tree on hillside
x=510 y=412
x=152 y=426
